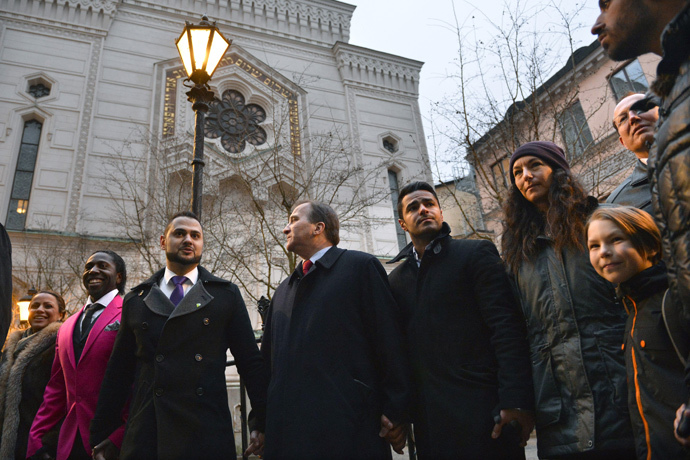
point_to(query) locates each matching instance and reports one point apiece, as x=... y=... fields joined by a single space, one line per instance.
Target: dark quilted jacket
x=670 y=156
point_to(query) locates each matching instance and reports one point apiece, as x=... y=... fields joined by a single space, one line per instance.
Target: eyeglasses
x=625 y=117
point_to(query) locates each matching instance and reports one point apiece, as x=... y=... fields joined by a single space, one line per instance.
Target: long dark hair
x=565 y=219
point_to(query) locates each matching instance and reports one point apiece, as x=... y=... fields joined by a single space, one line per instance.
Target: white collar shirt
x=416 y=257
x=167 y=286
x=319 y=254
x=105 y=300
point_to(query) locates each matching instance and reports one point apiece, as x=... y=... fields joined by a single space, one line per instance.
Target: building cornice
x=322 y=22
x=363 y=66
x=89 y=16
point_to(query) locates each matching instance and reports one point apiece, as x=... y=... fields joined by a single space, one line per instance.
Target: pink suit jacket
x=72 y=391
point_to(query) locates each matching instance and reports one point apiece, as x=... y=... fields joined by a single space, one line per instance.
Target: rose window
x=234 y=122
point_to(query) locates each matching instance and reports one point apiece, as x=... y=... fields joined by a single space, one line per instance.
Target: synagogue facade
x=95 y=127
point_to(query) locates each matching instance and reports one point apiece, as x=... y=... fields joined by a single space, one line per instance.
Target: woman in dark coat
x=575 y=326
x=24 y=374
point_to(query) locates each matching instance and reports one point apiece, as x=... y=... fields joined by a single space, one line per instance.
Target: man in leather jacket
x=629 y=28
x=634 y=119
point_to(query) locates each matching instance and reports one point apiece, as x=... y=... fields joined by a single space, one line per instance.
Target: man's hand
x=395 y=434
x=524 y=417
x=256 y=444
x=105 y=450
x=676 y=422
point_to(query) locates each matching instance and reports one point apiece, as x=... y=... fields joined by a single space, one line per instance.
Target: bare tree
x=248 y=193
x=519 y=82
x=47 y=259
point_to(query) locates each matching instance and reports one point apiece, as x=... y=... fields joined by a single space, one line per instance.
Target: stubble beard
x=637 y=38
x=177 y=258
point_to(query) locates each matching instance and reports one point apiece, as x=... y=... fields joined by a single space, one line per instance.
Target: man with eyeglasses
x=634 y=118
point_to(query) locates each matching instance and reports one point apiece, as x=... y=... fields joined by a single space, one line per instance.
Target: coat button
x=437 y=249
x=159 y=358
x=642 y=343
x=590 y=443
x=144 y=325
x=198 y=357
x=159 y=392
x=207 y=321
x=199 y=391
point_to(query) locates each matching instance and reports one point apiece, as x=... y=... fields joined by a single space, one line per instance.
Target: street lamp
x=201 y=48
x=23 y=304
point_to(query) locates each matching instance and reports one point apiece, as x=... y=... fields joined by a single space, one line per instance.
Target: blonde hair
x=637 y=225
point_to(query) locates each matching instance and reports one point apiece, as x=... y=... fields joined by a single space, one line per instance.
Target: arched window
x=24 y=175
x=393 y=183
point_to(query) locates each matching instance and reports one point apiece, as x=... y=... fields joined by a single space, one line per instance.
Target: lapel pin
x=198 y=305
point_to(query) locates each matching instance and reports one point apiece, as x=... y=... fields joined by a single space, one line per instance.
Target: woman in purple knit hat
x=575 y=325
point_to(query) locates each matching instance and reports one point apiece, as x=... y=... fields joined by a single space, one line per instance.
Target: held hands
x=256 y=444
x=395 y=434
x=105 y=450
x=524 y=418
x=679 y=413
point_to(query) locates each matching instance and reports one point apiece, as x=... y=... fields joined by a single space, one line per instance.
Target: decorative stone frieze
x=90 y=15
x=375 y=69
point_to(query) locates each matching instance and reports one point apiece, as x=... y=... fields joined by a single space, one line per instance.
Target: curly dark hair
x=565 y=219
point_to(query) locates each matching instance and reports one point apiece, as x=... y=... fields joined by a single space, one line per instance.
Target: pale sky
x=424 y=30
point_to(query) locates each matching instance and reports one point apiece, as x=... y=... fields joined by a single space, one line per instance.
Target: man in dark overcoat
x=466 y=339
x=171 y=351
x=333 y=341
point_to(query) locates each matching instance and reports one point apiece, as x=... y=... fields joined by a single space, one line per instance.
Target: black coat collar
x=439 y=241
x=204 y=276
x=325 y=262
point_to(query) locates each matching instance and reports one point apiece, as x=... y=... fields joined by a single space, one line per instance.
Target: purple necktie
x=178 y=292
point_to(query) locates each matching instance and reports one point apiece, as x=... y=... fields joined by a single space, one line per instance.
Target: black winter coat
x=334 y=343
x=635 y=190
x=176 y=362
x=575 y=328
x=655 y=373
x=670 y=157
x=24 y=374
x=468 y=348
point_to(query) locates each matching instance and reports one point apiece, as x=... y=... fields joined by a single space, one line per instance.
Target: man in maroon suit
x=82 y=351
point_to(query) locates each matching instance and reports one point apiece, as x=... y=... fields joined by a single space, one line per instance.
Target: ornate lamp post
x=201 y=48
x=23 y=304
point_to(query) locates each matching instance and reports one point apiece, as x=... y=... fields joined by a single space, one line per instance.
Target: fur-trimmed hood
x=12 y=371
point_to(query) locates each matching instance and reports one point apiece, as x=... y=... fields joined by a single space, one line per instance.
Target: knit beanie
x=552 y=154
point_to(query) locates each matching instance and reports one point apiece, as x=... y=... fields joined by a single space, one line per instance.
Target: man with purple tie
x=171 y=351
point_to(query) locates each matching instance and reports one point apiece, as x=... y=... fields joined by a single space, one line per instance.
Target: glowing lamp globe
x=201 y=48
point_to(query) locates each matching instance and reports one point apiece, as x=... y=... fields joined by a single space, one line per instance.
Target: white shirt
x=105 y=300
x=319 y=254
x=416 y=256
x=167 y=286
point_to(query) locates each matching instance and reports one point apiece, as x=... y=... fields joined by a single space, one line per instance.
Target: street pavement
x=530 y=451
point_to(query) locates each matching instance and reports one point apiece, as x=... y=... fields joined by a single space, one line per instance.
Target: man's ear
x=163 y=242
x=319 y=227
x=402 y=224
x=620 y=139
x=118 y=279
